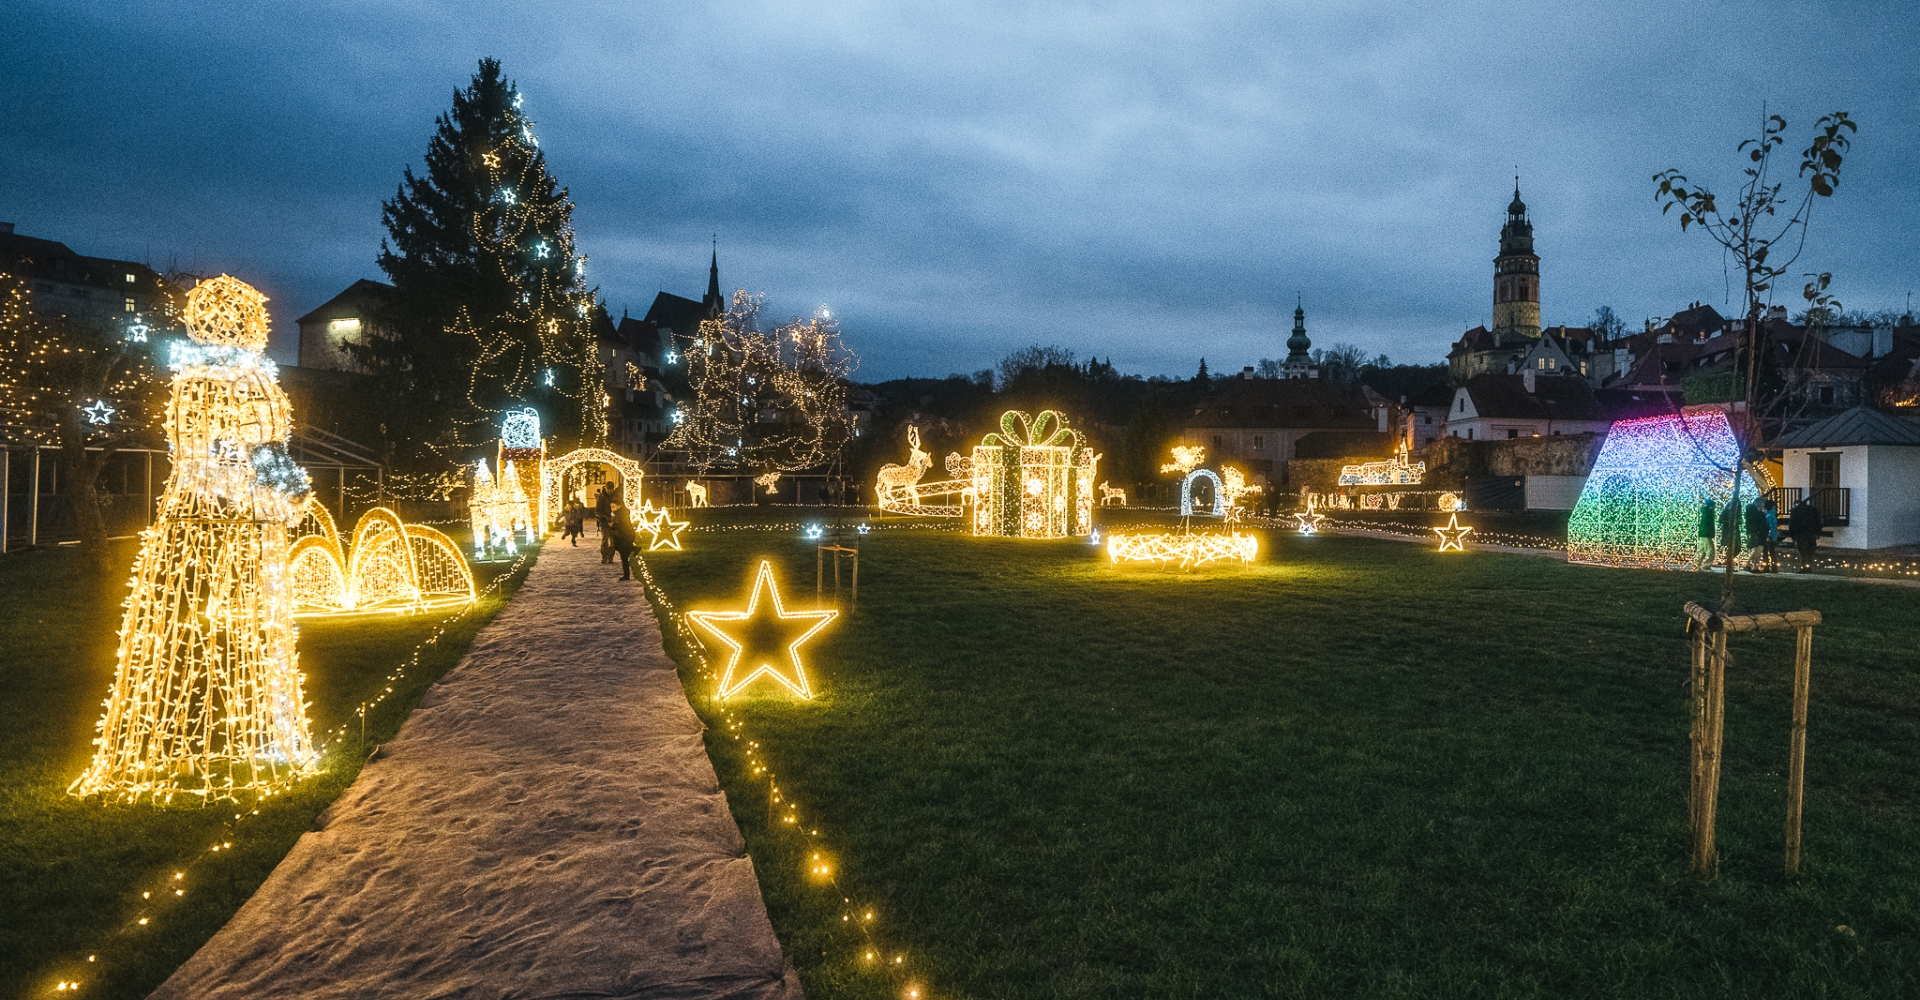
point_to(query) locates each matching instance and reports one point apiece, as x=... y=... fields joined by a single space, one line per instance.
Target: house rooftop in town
x=1854 y=427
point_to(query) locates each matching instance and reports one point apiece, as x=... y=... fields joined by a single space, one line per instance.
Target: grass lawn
x=1359 y=768
x=75 y=872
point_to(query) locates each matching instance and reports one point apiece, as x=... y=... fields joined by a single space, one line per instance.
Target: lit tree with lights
x=766 y=401
x=491 y=309
x=1763 y=232
x=81 y=384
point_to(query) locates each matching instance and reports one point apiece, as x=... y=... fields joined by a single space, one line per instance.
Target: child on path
x=620 y=536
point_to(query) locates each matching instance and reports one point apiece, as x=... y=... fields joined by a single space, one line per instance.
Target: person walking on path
x=573 y=522
x=1772 y=538
x=620 y=535
x=601 y=500
x=1803 y=524
x=1756 y=532
x=1703 y=543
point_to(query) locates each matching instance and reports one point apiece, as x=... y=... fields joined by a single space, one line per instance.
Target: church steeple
x=1516 y=275
x=715 y=304
x=1298 y=363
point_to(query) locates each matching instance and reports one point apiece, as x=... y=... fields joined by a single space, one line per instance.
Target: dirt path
x=545 y=825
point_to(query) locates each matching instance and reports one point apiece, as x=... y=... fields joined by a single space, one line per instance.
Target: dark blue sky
x=1150 y=181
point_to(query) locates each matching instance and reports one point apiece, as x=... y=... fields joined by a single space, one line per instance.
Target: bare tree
x=1763 y=234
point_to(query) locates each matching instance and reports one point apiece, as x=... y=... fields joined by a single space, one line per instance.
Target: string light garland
x=389 y=567
x=1188 y=548
x=207 y=698
x=736 y=629
x=1453 y=535
x=784 y=813
x=1033 y=478
x=1640 y=506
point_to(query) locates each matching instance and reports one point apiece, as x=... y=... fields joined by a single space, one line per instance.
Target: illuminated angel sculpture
x=206 y=698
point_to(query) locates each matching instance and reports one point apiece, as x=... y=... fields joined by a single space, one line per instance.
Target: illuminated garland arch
x=391 y=567
x=1219 y=493
x=556 y=474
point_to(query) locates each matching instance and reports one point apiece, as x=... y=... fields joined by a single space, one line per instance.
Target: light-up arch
x=557 y=469
x=1219 y=493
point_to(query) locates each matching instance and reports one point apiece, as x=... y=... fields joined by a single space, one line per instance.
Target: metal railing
x=1835 y=503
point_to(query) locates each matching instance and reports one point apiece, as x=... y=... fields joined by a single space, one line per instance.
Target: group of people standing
x=1753 y=533
x=615 y=524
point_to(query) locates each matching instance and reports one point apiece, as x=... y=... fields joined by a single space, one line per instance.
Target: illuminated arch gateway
x=557 y=469
x=389 y=566
x=1641 y=505
x=1219 y=493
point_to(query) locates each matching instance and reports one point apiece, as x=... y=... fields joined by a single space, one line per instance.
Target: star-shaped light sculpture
x=863 y=529
x=813 y=533
x=490 y=159
x=755 y=634
x=663 y=530
x=1453 y=535
x=99 y=412
x=1309 y=521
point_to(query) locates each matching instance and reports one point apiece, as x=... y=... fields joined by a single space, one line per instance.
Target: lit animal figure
x=960 y=467
x=1185 y=459
x=1109 y=495
x=898 y=486
x=1235 y=486
x=697 y=494
x=771 y=481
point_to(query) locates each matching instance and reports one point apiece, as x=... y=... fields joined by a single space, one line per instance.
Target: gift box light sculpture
x=1189 y=549
x=207 y=694
x=389 y=566
x=1033 y=478
x=745 y=632
x=1641 y=504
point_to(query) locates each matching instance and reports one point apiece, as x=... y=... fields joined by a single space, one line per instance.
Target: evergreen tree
x=490 y=309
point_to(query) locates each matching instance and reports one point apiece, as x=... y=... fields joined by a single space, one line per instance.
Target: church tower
x=1299 y=364
x=1516 y=276
x=716 y=303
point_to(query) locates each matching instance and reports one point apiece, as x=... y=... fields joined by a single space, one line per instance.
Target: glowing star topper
x=99 y=412
x=1454 y=535
x=763 y=627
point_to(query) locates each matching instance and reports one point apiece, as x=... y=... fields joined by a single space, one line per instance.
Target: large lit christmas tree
x=490 y=309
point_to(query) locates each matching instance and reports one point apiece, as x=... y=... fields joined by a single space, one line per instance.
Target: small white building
x=1862 y=469
x=1493 y=407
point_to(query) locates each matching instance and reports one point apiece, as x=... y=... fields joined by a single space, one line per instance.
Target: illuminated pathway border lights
x=556 y=761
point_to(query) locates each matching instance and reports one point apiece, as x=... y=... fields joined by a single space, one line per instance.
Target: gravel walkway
x=545 y=825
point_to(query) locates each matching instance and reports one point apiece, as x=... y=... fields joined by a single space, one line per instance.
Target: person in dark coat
x=1803 y=524
x=1703 y=542
x=620 y=536
x=1756 y=532
x=601 y=500
x=573 y=522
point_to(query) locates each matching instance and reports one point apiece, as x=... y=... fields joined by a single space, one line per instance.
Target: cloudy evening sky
x=1148 y=181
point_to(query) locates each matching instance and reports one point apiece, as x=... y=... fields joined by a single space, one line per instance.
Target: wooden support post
x=6 y=496
x=1697 y=772
x=33 y=503
x=1797 y=764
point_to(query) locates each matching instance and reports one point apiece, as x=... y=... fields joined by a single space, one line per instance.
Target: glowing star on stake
x=99 y=412
x=754 y=623
x=664 y=531
x=1453 y=535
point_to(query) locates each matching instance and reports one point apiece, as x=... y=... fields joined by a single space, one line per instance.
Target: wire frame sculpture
x=389 y=566
x=498 y=508
x=630 y=471
x=1640 y=507
x=207 y=699
x=1033 y=478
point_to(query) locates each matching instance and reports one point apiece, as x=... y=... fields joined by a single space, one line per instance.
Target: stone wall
x=1451 y=460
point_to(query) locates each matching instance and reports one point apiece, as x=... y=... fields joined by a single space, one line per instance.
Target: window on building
x=1824 y=469
x=1259 y=443
x=1541 y=364
x=1553 y=363
x=1826 y=395
x=1512 y=432
x=1216 y=442
x=132 y=306
x=1429 y=418
x=131 y=279
x=1463 y=404
x=1583 y=367
x=1469 y=433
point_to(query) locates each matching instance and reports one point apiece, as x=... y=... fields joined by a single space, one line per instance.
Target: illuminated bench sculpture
x=1641 y=504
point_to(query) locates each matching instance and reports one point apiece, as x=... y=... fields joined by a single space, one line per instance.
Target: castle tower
x=1516 y=276
x=1298 y=363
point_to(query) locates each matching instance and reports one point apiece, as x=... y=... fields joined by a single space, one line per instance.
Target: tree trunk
x=82 y=471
